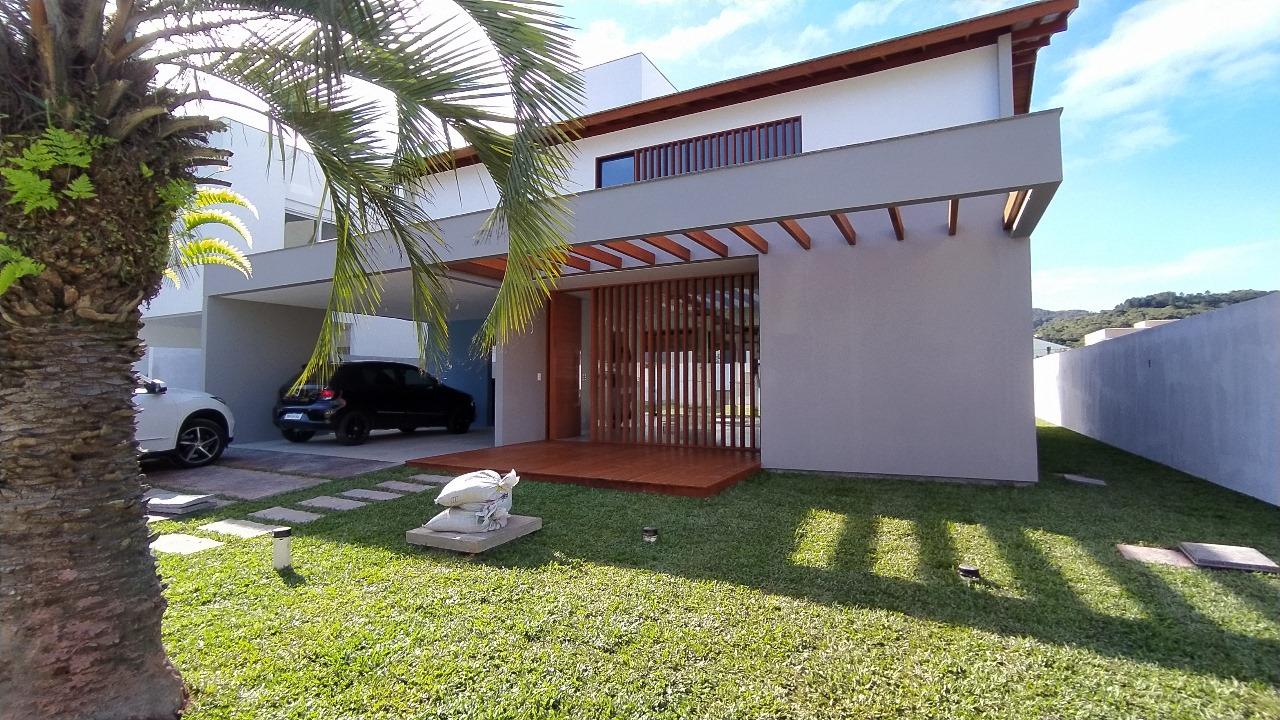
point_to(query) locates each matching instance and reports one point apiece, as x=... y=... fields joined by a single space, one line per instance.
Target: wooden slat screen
x=779 y=138
x=674 y=362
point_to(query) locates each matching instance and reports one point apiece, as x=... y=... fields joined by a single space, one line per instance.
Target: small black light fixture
x=649 y=534
x=969 y=573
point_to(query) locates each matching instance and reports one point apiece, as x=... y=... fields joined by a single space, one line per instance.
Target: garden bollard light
x=281 y=550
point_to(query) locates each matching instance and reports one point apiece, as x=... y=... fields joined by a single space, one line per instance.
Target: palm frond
x=503 y=90
x=207 y=196
x=194 y=218
x=211 y=251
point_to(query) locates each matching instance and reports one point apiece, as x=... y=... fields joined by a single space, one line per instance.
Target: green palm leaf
x=207 y=196
x=212 y=251
x=194 y=218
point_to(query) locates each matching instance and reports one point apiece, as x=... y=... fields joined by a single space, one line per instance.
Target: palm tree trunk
x=80 y=601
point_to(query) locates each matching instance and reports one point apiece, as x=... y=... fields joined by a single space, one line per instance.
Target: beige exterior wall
x=904 y=358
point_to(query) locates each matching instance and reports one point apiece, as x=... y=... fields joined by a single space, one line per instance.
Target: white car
x=192 y=428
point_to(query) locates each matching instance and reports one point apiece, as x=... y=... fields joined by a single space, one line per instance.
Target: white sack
x=492 y=516
x=477 y=487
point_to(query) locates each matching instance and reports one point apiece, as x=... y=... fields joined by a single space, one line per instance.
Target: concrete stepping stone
x=329 y=502
x=517 y=527
x=375 y=495
x=432 y=479
x=404 y=486
x=296 y=517
x=1228 y=557
x=174 y=504
x=239 y=528
x=181 y=544
x=1084 y=480
x=1155 y=555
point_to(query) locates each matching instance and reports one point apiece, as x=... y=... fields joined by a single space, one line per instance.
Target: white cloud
x=1160 y=50
x=604 y=40
x=771 y=53
x=1097 y=287
x=867 y=13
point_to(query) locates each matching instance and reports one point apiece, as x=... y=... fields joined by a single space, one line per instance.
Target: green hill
x=1069 y=327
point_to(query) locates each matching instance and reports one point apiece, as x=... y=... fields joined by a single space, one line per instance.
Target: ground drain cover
x=1154 y=555
x=1229 y=557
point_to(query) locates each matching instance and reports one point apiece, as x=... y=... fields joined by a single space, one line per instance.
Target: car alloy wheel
x=353 y=428
x=199 y=443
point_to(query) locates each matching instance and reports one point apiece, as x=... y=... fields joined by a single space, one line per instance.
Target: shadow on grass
x=747 y=535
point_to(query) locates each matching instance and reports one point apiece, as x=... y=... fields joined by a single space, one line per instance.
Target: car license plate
x=293 y=416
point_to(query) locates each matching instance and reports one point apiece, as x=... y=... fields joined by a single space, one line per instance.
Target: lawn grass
x=788 y=596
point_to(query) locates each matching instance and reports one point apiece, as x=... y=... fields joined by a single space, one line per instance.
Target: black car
x=364 y=396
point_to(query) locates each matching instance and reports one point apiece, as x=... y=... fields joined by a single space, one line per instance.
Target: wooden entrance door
x=564 y=362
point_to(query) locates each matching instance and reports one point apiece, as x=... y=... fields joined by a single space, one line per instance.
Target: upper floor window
x=616 y=170
x=779 y=138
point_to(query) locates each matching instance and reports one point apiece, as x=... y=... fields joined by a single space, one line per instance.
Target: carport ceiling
x=468 y=300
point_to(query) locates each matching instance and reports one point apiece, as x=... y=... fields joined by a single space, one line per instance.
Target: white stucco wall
x=257 y=348
x=1201 y=395
x=943 y=92
x=271 y=184
x=621 y=82
x=902 y=358
x=383 y=337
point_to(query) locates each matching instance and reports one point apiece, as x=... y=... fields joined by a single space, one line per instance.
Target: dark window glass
x=617 y=170
x=414 y=378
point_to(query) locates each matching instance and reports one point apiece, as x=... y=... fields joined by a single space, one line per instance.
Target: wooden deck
x=691 y=472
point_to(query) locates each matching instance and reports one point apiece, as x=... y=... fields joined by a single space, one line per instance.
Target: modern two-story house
x=825 y=266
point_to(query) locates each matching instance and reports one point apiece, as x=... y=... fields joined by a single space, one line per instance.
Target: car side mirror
x=155 y=387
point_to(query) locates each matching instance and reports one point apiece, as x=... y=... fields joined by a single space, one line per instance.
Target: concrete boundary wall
x=1201 y=395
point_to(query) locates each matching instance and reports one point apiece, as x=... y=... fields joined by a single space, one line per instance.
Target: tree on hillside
x=1069 y=327
x=96 y=158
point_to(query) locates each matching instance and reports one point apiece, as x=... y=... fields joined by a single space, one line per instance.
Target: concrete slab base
x=404 y=486
x=329 y=502
x=432 y=479
x=168 y=504
x=471 y=543
x=181 y=544
x=1083 y=480
x=1154 y=555
x=375 y=495
x=1228 y=557
x=239 y=528
x=295 y=517
x=233 y=482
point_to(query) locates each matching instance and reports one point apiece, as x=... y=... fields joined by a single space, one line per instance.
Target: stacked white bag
x=479 y=501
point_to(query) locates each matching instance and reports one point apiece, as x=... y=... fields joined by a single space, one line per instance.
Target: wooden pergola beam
x=797 y=233
x=499 y=264
x=846 y=227
x=953 y=215
x=595 y=253
x=895 y=217
x=751 y=237
x=577 y=263
x=631 y=250
x=706 y=240
x=1013 y=206
x=667 y=245
x=474 y=268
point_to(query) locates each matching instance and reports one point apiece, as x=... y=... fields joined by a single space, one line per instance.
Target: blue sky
x=1171 y=123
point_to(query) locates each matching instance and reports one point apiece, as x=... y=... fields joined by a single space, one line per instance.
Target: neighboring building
x=826 y=263
x=287 y=190
x=1098 y=336
x=1040 y=348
